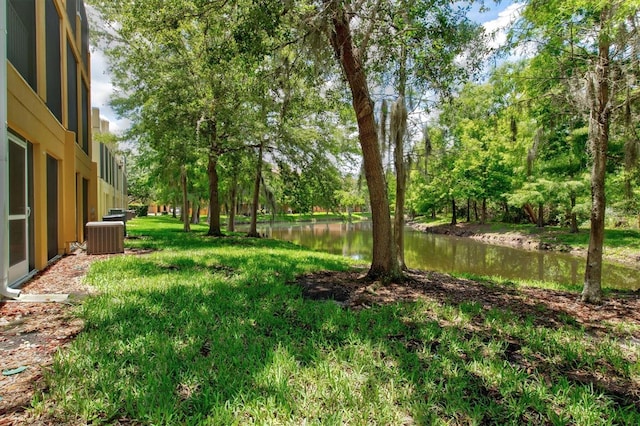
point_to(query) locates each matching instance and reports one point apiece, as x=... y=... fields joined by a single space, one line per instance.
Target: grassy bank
x=618 y=243
x=208 y=331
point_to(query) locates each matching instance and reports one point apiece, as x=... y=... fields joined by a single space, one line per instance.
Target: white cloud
x=498 y=27
x=101 y=85
x=101 y=91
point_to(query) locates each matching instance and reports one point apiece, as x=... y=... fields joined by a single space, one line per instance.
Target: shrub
x=140 y=209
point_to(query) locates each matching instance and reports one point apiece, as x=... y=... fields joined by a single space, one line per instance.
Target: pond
x=445 y=253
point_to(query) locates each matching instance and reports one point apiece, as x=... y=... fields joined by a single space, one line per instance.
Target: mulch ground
x=353 y=290
x=31 y=333
x=546 y=308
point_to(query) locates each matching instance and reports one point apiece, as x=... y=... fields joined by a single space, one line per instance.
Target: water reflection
x=452 y=254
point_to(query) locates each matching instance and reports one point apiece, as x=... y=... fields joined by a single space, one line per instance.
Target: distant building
x=52 y=181
x=112 y=176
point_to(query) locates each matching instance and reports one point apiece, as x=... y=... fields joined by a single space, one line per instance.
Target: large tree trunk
x=253 y=228
x=231 y=214
x=212 y=173
x=214 y=197
x=529 y=211
x=484 y=210
x=599 y=120
x=195 y=213
x=399 y=117
x=185 y=201
x=384 y=263
x=631 y=149
x=399 y=217
x=573 y=217
x=398 y=127
x=454 y=212
x=540 y=221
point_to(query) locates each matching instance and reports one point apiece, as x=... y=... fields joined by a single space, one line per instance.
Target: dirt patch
x=547 y=307
x=31 y=333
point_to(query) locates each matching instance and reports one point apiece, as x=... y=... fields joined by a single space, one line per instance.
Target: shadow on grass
x=218 y=337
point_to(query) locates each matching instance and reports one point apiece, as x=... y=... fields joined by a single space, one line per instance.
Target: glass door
x=19 y=211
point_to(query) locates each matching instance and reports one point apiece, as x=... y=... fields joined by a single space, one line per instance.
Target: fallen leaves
x=31 y=333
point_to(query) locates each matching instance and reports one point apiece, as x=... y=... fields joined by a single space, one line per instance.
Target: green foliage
x=140 y=209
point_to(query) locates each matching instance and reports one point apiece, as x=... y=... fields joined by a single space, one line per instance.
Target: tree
x=187 y=63
x=410 y=47
x=383 y=263
x=591 y=36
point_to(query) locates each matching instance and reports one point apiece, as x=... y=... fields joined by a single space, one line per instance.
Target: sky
x=495 y=19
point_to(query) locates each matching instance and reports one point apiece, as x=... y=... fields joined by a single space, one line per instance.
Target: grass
x=207 y=331
x=502 y=281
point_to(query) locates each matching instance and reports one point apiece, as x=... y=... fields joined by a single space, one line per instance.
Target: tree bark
x=398 y=121
x=195 y=213
x=573 y=217
x=454 y=212
x=212 y=173
x=529 y=211
x=401 y=183
x=253 y=228
x=214 y=198
x=384 y=263
x=400 y=124
x=540 y=221
x=600 y=116
x=185 y=201
x=231 y=225
x=484 y=210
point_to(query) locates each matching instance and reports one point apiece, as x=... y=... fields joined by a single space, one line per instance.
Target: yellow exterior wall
x=29 y=117
x=109 y=196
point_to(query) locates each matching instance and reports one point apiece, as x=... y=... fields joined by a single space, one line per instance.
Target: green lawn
x=208 y=331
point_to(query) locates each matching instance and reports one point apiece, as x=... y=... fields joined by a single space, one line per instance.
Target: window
x=85 y=118
x=110 y=164
x=102 y=161
x=72 y=92
x=52 y=207
x=71 y=13
x=84 y=34
x=85 y=202
x=21 y=38
x=54 y=61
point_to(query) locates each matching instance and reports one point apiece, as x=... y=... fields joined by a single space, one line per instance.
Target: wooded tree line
x=232 y=97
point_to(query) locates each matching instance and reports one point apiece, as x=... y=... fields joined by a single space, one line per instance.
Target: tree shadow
x=229 y=345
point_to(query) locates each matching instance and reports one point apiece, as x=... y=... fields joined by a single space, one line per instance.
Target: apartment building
x=112 y=176
x=51 y=178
